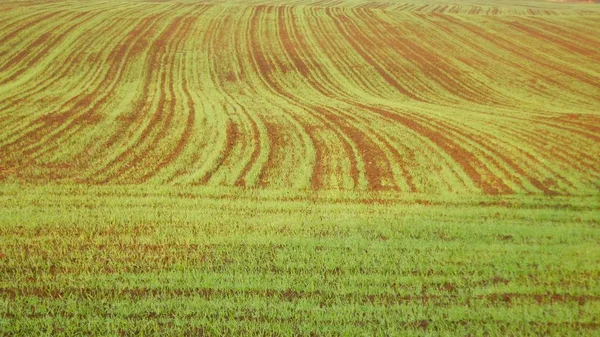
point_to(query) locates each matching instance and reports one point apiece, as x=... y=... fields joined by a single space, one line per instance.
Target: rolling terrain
x=299 y=168
x=303 y=97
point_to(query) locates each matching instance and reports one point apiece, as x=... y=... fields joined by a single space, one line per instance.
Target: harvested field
x=299 y=168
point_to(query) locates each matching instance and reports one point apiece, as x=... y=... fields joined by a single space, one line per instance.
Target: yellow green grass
x=302 y=96
x=173 y=261
x=354 y=168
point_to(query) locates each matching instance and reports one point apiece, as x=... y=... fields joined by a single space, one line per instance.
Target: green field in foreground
x=299 y=168
x=194 y=261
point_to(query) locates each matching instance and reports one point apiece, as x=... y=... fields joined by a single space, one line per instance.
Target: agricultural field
x=290 y=168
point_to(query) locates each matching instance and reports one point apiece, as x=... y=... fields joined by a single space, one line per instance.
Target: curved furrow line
x=75 y=107
x=587 y=122
x=232 y=81
x=364 y=47
x=85 y=119
x=268 y=173
x=61 y=69
x=453 y=79
x=566 y=44
x=523 y=52
x=578 y=32
x=499 y=153
x=297 y=51
x=244 y=129
x=518 y=150
x=264 y=66
x=281 y=129
x=324 y=81
x=9 y=17
x=259 y=138
x=519 y=68
x=135 y=156
x=490 y=149
x=50 y=76
x=249 y=175
x=528 y=139
x=359 y=102
x=555 y=167
x=517 y=119
x=472 y=155
x=578 y=155
x=472 y=165
x=569 y=126
x=320 y=168
x=83 y=107
x=395 y=46
x=191 y=113
x=38 y=126
x=549 y=62
x=455 y=151
x=436 y=69
x=489 y=162
x=364 y=74
x=220 y=169
x=358 y=74
x=230 y=168
x=568 y=123
x=231 y=137
x=456 y=73
x=324 y=148
x=376 y=162
x=459 y=82
x=175 y=35
x=35 y=51
x=532 y=128
x=120 y=60
x=26 y=26
x=560 y=161
x=492 y=64
x=164 y=157
x=356 y=96
x=494 y=153
x=214 y=148
x=19 y=26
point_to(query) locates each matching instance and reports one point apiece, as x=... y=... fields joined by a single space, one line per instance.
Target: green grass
x=187 y=261
x=290 y=168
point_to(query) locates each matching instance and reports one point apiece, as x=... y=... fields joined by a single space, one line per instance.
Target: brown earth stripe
x=488 y=182
x=432 y=64
x=40 y=148
x=563 y=43
x=255 y=121
x=129 y=50
x=179 y=33
x=291 y=295
x=264 y=69
x=496 y=154
x=39 y=48
x=364 y=142
x=232 y=136
x=323 y=323
x=58 y=72
x=316 y=83
x=584 y=40
x=72 y=106
x=360 y=46
x=132 y=157
x=510 y=47
x=26 y=24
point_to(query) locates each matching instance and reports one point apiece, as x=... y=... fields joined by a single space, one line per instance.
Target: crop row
x=302 y=97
